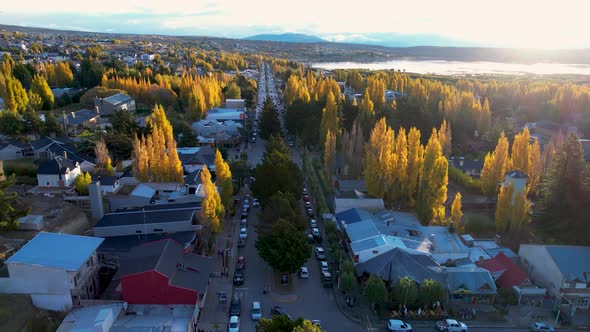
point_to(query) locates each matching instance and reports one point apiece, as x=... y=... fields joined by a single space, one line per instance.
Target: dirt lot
x=17 y=313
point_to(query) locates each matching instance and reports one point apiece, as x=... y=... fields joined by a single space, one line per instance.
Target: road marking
x=241 y=289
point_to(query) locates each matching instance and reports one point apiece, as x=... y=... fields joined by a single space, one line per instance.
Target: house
x=125 y=317
x=194 y=158
x=162 y=273
x=75 y=122
x=224 y=132
x=586 y=148
x=391 y=96
x=235 y=103
x=470 y=285
x=505 y=271
x=50 y=148
x=151 y=219
x=109 y=184
x=518 y=180
x=563 y=270
x=12 y=150
x=223 y=114
x=402 y=262
x=470 y=167
x=57 y=270
x=117 y=102
x=59 y=172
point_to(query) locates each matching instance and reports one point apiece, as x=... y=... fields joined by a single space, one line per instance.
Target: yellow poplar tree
x=378 y=155
x=503 y=208
x=535 y=167
x=520 y=152
x=224 y=181
x=456 y=213
x=211 y=208
x=329 y=154
x=415 y=162
x=495 y=166
x=433 y=182
x=329 y=118
x=400 y=169
x=444 y=137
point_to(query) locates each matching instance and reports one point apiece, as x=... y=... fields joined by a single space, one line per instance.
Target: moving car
x=327 y=280
x=303 y=272
x=256 y=311
x=542 y=327
x=239 y=278
x=324 y=266
x=243 y=233
x=320 y=253
x=397 y=325
x=235 y=307
x=241 y=263
x=451 y=325
x=234 y=324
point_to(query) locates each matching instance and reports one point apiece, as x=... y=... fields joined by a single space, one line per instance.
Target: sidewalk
x=215 y=316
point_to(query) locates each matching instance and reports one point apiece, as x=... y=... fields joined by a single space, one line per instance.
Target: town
x=155 y=184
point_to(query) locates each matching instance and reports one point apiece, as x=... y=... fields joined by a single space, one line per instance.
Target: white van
x=397 y=325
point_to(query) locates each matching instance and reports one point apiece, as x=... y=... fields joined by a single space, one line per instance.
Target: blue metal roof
x=57 y=250
x=367 y=244
x=354 y=215
x=572 y=261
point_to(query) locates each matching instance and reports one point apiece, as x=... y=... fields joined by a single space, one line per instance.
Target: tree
x=415 y=162
x=40 y=87
x=109 y=167
x=366 y=114
x=81 y=183
x=330 y=122
x=430 y=292
x=90 y=73
x=278 y=323
x=456 y=213
x=405 y=291
x=329 y=154
x=379 y=159
x=565 y=195
x=233 y=91
x=495 y=166
x=375 y=291
x=444 y=137
x=101 y=153
x=10 y=123
x=347 y=281
x=51 y=127
x=433 y=182
x=269 y=120
x=504 y=208
x=224 y=181
x=211 y=208
x=35 y=101
x=535 y=167
x=282 y=206
x=307 y=326
x=123 y=122
x=284 y=248
x=520 y=156
x=9 y=210
x=15 y=96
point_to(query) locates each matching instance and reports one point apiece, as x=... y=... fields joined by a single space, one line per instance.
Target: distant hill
x=287 y=37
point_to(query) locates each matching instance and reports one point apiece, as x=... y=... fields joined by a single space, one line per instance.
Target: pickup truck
x=451 y=325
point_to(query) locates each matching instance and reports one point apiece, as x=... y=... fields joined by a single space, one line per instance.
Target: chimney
x=96 y=205
x=461 y=160
x=73 y=115
x=97 y=110
x=65 y=154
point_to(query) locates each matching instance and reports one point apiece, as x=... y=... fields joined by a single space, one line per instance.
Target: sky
x=500 y=23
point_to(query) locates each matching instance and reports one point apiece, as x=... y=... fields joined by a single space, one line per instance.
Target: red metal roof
x=513 y=274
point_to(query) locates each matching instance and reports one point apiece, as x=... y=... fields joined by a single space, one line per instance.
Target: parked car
x=451 y=325
x=397 y=325
x=246 y=206
x=239 y=278
x=306 y=198
x=542 y=327
x=243 y=233
x=327 y=279
x=234 y=324
x=241 y=263
x=313 y=223
x=315 y=232
x=317 y=323
x=324 y=266
x=303 y=272
x=255 y=202
x=310 y=238
x=241 y=243
x=235 y=307
x=244 y=223
x=307 y=204
x=256 y=311
x=309 y=212
x=320 y=253
x=305 y=190
x=284 y=278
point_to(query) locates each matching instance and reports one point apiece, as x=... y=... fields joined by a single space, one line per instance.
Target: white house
x=56 y=270
x=59 y=172
x=109 y=184
x=12 y=150
x=563 y=270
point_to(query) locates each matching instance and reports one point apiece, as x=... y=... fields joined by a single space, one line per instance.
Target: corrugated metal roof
x=474 y=279
x=57 y=250
x=572 y=261
x=147 y=217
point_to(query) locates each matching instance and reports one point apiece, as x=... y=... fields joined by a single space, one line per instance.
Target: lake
x=443 y=67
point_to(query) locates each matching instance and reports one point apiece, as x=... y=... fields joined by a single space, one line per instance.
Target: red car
x=241 y=263
x=306 y=198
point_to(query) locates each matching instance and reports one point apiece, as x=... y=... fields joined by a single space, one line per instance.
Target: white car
x=315 y=232
x=256 y=311
x=303 y=272
x=324 y=266
x=320 y=253
x=234 y=324
x=542 y=327
x=313 y=223
x=451 y=325
x=398 y=326
x=243 y=233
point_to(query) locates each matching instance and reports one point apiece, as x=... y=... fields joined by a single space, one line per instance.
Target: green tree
x=307 y=326
x=329 y=155
x=431 y=291
x=282 y=206
x=405 y=291
x=90 y=73
x=284 y=248
x=10 y=124
x=233 y=91
x=375 y=291
x=278 y=323
x=123 y=122
x=81 y=183
x=347 y=281
x=269 y=120
x=9 y=210
x=40 y=87
x=565 y=195
x=51 y=127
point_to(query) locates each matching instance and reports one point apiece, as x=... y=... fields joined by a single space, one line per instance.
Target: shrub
x=464 y=180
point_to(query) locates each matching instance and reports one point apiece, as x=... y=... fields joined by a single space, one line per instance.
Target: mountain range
x=287 y=37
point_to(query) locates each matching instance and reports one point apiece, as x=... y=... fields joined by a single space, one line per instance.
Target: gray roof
x=468 y=165
x=572 y=261
x=59 y=165
x=147 y=217
x=41 y=143
x=516 y=174
x=399 y=263
x=476 y=280
x=586 y=148
x=125 y=243
x=118 y=99
x=14 y=143
x=349 y=185
x=165 y=257
x=59 y=149
x=108 y=180
x=79 y=117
